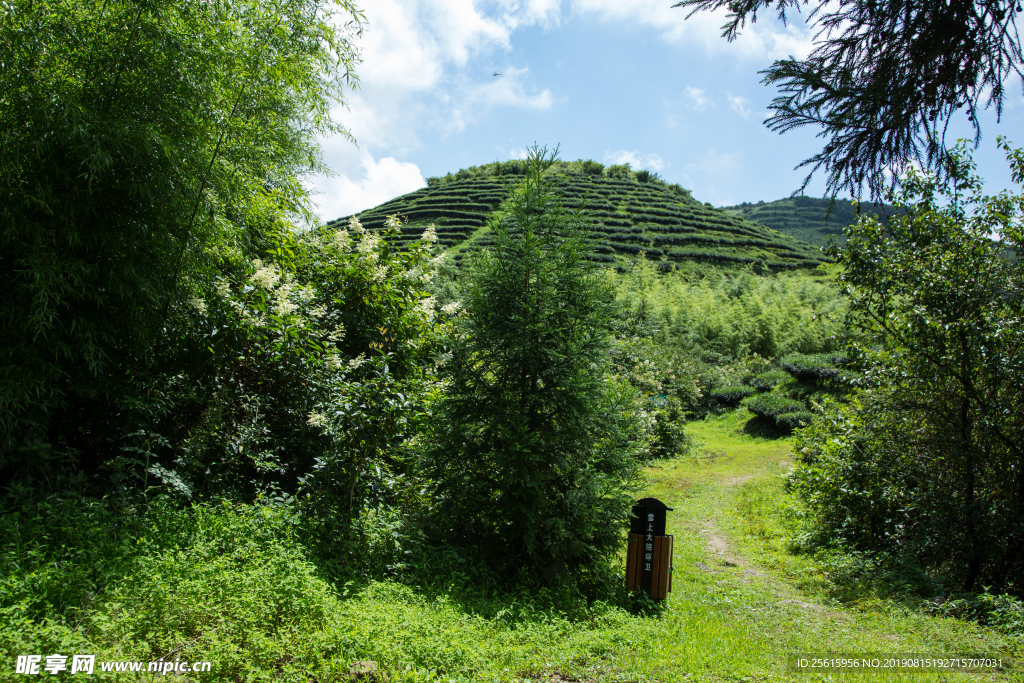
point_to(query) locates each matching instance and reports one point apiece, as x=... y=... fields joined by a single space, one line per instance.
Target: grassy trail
x=741 y=605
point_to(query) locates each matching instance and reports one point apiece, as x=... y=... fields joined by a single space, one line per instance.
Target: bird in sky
x=496 y=73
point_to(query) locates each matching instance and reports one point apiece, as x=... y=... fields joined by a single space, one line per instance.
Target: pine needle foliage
x=531 y=462
x=885 y=79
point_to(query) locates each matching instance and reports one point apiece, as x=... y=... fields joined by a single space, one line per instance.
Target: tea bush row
x=435 y=213
x=812 y=367
x=766 y=381
x=773 y=405
x=709 y=256
x=731 y=395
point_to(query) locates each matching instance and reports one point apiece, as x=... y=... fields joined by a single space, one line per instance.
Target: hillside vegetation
x=808 y=218
x=235 y=438
x=629 y=212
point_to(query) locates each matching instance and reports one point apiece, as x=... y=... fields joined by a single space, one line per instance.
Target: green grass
x=235 y=585
x=730 y=506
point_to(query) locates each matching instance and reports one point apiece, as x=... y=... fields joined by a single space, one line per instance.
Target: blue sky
x=610 y=80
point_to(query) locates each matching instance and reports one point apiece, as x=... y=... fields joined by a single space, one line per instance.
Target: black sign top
x=653 y=504
x=648 y=517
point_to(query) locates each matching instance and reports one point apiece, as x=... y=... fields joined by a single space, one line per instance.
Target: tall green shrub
x=930 y=461
x=531 y=461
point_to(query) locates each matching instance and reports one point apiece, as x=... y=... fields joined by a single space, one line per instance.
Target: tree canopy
x=531 y=458
x=885 y=79
x=143 y=145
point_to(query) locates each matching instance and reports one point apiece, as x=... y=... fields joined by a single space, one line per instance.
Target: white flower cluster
x=342 y=240
x=355 y=226
x=414 y=274
x=426 y=306
x=356 y=362
x=452 y=308
x=265 y=276
x=252 y=321
x=282 y=303
x=337 y=334
x=368 y=243
x=430 y=234
x=392 y=222
x=317 y=420
x=198 y=304
x=223 y=289
x=379 y=273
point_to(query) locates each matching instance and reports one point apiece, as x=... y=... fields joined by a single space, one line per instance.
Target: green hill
x=804 y=217
x=629 y=212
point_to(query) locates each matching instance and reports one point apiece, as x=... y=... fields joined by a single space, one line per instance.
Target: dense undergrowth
x=238 y=584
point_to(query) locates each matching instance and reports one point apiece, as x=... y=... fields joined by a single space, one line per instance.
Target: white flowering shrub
x=297 y=375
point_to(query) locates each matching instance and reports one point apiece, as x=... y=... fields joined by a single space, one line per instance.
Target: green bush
x=1003 y=612
x=812 y=367
x=531 y=456
x=766 y=381
x=773 y=405
x=927 y=459
x=794 y=420
x=731 y=395
x=739 y=314
x=130 y=178
x=620 y=172
x=670 y=439
x=645 y=176
x=223 y=583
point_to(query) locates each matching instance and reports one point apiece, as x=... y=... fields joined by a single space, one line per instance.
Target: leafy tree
x=143 y=147
x=929 y=459
x=531 y=460
x=885 y=79
x=620 y=171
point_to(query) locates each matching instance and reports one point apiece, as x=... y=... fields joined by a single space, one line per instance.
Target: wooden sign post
x=649 y=555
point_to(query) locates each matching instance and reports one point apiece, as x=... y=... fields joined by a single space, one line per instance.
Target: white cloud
x=697 y=97
x=740 y=105
x=426 y=65
x=370 y=184
x=714 y=176
x=517 y=153
x=651 y=162
x=507 y=90
x=767 y=39
x=441 y=49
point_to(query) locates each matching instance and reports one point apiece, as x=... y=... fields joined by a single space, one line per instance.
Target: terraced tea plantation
x=626 y=217
x=807 y=218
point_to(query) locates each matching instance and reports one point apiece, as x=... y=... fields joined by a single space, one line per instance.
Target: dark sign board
x=649 y=558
